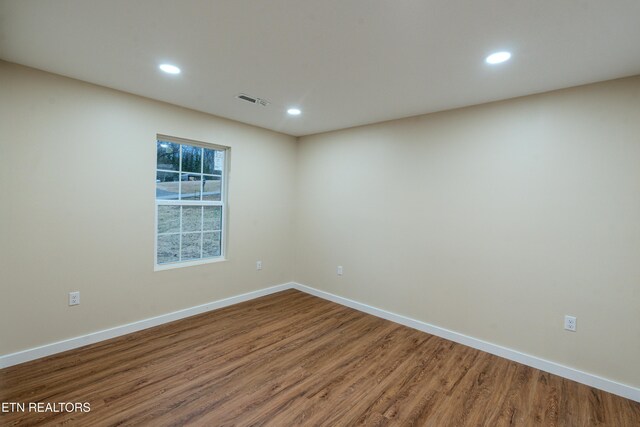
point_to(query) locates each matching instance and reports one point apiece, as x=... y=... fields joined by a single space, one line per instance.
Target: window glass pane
x=212 y=218
x=219 y=163
x=211 y=188
x=191 y=246
x=168 y=247
x=168 y=219
x=191 y=218
x=167 y=155
x=191 y=159
x=213 y=162
x=191 y=186
x=208 y=161
x=211 y=244
x=167 y=185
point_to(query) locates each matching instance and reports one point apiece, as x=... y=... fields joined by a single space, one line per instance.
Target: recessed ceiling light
x=294 y=111
x=498 y=57
x=170 y=69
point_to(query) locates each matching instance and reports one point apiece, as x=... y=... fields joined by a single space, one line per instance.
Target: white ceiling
x=344 y=62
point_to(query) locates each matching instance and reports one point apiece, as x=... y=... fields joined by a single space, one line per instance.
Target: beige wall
x=77 y=175
x=493 y=221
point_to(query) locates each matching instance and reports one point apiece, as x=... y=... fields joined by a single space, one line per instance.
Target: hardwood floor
x=294 y=359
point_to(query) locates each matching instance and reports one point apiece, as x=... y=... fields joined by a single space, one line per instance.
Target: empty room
x=320 y=213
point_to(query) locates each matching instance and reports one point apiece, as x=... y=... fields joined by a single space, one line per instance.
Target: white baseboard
x=94 y=337
x=610 y=386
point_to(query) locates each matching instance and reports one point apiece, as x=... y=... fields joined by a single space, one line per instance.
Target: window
x=190 y=202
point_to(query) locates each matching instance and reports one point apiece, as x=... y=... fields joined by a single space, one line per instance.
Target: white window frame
x=222 y=202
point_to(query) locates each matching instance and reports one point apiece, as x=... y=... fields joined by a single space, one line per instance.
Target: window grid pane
x=168 y=219
x=167 y=155
x=212 y=244
x=191 y=249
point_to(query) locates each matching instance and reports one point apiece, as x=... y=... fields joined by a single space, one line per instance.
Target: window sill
x=161 y=267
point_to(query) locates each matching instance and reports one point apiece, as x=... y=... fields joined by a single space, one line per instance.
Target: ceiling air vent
x=253 y=100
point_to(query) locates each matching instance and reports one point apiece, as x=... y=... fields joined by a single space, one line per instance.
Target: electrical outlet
x=258 y=265
x=339 y=270
x=570 y=323
x=74 y=298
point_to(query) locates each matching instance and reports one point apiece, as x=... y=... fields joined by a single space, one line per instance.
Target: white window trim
x=222 y=202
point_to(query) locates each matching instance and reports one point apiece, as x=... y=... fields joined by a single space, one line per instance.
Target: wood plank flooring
x=292 y=359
